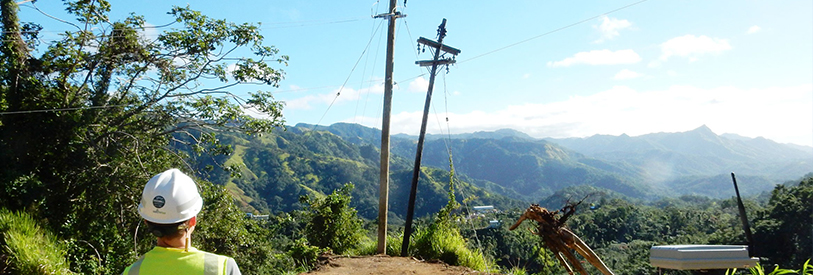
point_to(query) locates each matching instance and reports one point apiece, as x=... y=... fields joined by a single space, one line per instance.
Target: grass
x=369 y=246
x=437 y=242
x=445 y=243
x=30 y=249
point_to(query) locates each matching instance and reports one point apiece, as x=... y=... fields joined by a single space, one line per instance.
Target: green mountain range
x=505 y=168
x=699 y=161
x=280 y=167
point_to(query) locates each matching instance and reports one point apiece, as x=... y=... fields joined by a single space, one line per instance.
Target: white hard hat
x=170 y=197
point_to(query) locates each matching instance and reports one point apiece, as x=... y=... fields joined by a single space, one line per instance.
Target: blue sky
x=547 y=68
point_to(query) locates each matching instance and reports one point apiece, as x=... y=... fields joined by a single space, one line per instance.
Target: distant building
x=256 y=217
x=484 y=209
x=485 y=212
x=493 y=224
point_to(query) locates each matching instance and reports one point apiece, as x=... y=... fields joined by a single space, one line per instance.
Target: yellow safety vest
x=163 y=260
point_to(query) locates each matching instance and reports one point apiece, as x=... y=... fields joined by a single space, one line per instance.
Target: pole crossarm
x=397 y=14
x=436 y=45
x=427 y=63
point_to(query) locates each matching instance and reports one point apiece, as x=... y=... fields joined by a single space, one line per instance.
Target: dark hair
x=172 y=230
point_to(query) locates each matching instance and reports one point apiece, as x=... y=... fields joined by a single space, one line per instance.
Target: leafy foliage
x=304 y=254
x=783 y=230
x=331 y=222
x=87 y=119
x=224 y=229
x=760 y=270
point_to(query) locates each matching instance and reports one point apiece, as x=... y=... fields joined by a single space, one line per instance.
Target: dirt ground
x=380 y=264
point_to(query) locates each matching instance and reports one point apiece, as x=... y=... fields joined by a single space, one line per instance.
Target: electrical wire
x=417 y=52
x=372 y=73
x=321 y=22
x=523 y=41
x=63 y=109
x=551 y=32
x=32 y=5
x=285 y=25
x=364 y=73
x=348 y=77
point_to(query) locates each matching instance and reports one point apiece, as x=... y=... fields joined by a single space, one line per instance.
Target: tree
x=783 y=229
x=86 y=120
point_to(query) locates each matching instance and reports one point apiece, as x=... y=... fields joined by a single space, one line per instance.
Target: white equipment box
x=700 y=257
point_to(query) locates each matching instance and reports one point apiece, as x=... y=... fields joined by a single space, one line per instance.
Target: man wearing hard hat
x=169 y=205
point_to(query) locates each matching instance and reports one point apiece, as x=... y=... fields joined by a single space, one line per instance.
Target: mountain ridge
x=656 y=163
x=505 y=168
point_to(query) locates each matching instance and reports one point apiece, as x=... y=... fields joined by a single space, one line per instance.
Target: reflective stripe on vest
x=210 y=264
x=134 y=269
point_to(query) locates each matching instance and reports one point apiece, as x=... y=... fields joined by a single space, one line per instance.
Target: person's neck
x=179 y=242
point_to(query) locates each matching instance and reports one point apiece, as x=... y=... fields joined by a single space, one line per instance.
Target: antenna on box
x=743 y=218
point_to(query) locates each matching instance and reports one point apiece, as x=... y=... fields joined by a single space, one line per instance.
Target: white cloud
x=419 y=85
x=691 y=46
x=599 y=57
x=526 y=76
x=778 y=113
x=626 y=74
x=345 y=94
x=337 y=96
x=754 y=29
x=610 y=26
x=149 y=32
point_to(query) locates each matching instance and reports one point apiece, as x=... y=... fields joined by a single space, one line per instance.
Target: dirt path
x=380 y=264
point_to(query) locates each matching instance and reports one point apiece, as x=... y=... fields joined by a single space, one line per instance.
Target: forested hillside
x=277 y=168
x=645 y=167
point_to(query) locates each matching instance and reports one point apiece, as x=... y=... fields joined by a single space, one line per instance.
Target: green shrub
x=29 y=248
x=303 y=254
x=332 y=223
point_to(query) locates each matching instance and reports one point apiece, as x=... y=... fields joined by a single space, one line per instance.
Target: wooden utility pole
x=416 y=172
x=384 y=177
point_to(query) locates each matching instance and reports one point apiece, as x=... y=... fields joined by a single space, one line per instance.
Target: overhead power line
x=551 y=32
x=323 y=22
x=349 y=75
x=523 y=41
x=63 y=109
x=282 y=25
